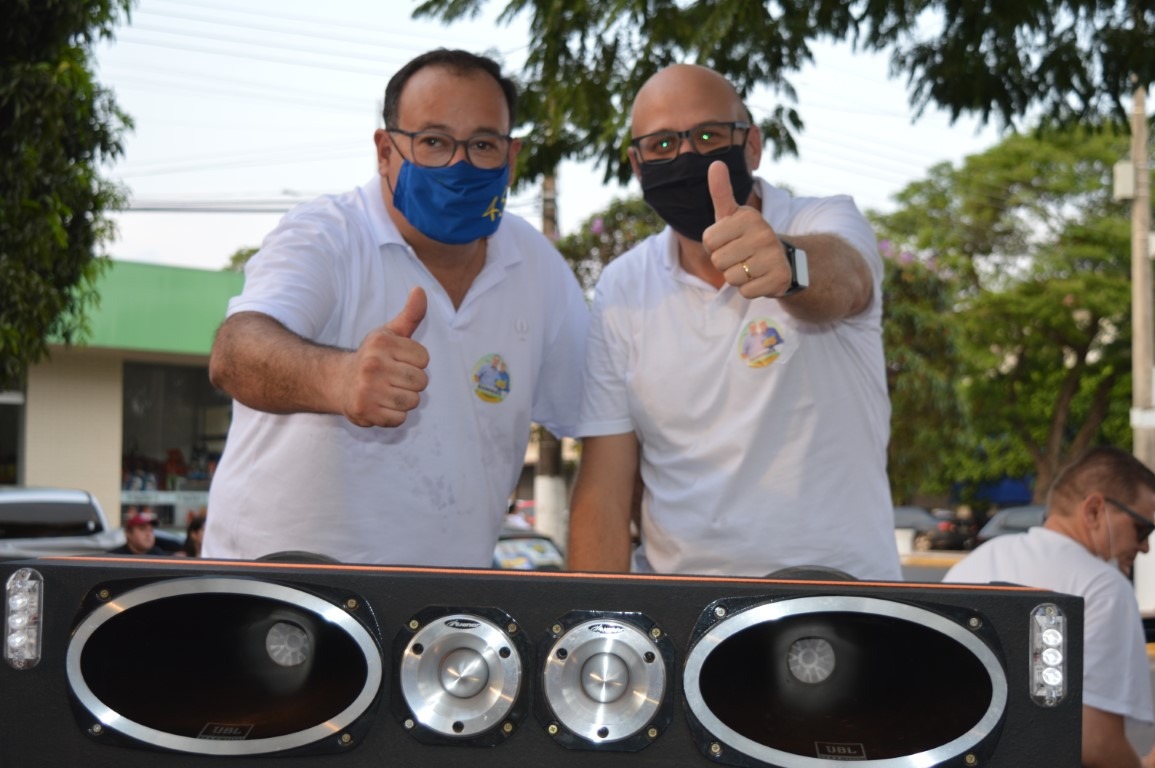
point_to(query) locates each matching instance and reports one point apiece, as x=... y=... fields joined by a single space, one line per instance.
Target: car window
x=42 y=519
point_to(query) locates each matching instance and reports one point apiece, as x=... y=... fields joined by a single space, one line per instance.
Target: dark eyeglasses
x=707 y=139
x=434 y=149
x=1143 y=526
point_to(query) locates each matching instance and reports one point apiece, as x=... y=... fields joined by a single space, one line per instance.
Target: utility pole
x=550 y=501
x=1142 y=410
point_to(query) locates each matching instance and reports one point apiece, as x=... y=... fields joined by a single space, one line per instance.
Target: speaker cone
x=799 y=682
x=605 y=681
x=460 y=676
x=223 y=666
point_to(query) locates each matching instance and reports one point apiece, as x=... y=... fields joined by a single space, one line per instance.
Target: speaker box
x=162 y=663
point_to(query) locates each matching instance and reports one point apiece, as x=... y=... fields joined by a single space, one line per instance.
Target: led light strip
x=23 y=607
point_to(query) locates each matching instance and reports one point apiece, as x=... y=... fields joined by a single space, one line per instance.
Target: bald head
x=689 y=91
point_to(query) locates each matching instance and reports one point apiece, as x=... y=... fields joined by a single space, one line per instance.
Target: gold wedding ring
x=746 y=269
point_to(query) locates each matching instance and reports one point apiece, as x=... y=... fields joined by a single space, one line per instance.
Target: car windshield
x=1022 y=519
x=42 y=519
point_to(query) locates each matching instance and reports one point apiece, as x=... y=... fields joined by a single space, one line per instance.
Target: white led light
x=1048 y=655
x=24 y=601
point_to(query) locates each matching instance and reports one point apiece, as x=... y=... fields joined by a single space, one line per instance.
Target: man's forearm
x=260 y=363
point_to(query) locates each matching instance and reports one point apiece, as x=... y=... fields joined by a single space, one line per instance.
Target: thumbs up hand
x=386 y=375
x=741 y=244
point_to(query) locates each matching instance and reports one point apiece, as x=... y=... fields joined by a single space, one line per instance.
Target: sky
x=254 y=106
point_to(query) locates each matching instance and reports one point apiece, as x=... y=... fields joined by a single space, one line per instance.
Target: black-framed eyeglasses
x=706 y=139
x=434 y=149
x=1143 y=526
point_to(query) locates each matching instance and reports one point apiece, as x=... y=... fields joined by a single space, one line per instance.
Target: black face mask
x=680 y=193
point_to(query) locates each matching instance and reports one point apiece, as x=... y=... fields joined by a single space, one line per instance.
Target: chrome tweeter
x=606 y=681
x=461 y=677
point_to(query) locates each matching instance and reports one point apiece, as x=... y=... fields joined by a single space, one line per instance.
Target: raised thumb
x=721 y=192
x=411 y=315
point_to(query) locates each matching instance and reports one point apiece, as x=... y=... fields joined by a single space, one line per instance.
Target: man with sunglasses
x=735 y=364
x=365 y=427
x=1100 y=510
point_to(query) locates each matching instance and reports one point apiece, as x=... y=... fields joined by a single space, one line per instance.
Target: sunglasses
x=1143 y=526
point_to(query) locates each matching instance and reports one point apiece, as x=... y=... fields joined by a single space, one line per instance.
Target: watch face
x=801 y=268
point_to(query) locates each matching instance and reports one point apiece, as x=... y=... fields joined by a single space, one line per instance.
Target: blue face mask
x=456 y=204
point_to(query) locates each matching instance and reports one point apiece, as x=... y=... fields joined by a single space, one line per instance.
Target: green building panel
x=159 y=308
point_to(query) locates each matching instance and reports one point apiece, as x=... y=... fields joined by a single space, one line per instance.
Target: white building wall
x=73 y=425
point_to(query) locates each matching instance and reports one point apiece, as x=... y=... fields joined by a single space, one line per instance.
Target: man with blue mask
x=1099 y=517
x=735 y=364
x=366 y=426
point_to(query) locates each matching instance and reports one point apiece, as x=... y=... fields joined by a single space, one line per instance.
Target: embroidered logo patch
x=759 y=342
x=491 y=379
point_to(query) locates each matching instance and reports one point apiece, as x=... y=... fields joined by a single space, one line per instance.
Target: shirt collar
x=373 y=200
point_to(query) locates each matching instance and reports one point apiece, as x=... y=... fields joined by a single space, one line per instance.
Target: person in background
x=735 y=364
x=392 y=345
x=194 y=534
x=139 y=534
x=1099 y=516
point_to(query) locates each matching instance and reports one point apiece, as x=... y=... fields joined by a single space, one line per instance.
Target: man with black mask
x=735 y=364
x=367 y=426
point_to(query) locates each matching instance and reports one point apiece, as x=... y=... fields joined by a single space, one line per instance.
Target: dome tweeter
x=605 y=681
x=797 y=682
x=461 y=675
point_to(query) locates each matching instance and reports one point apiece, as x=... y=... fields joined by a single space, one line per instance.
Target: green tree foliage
x=923 y=365
x=607 y=235
x=1039 y=257
x=240 y=258
x=57 y=125
x=1069 y=60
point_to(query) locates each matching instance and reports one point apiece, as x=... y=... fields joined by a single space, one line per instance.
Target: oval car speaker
x=799 y=682
x=605 y=681
x=461 y=676
x=223 y=666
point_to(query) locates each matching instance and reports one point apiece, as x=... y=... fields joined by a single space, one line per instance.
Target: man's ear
x=754 y=148
x=384 y=150
x=635 y=162
x=514 y=148
x=1092 y=510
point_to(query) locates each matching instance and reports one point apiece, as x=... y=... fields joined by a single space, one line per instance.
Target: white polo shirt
x=763 y=438
x=1116 y=673
x=433 y=491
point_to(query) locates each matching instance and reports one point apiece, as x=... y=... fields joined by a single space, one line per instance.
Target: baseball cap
x=140 y=518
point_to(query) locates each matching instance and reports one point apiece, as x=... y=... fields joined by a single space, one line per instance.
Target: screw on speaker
x=798 y=682
x=606 y=681
x=460 y=676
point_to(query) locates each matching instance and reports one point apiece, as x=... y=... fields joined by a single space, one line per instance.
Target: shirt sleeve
x=1115 y=665
x=838 y=215
x=605 y=399
x=558 y=394
x=292 y=278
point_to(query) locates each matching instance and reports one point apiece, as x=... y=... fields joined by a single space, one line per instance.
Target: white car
x=36 y=522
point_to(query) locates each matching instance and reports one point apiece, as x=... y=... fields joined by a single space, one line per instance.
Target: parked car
x=527 y=550
x=938 y=529
x=1013 y=520
x=36 y=522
